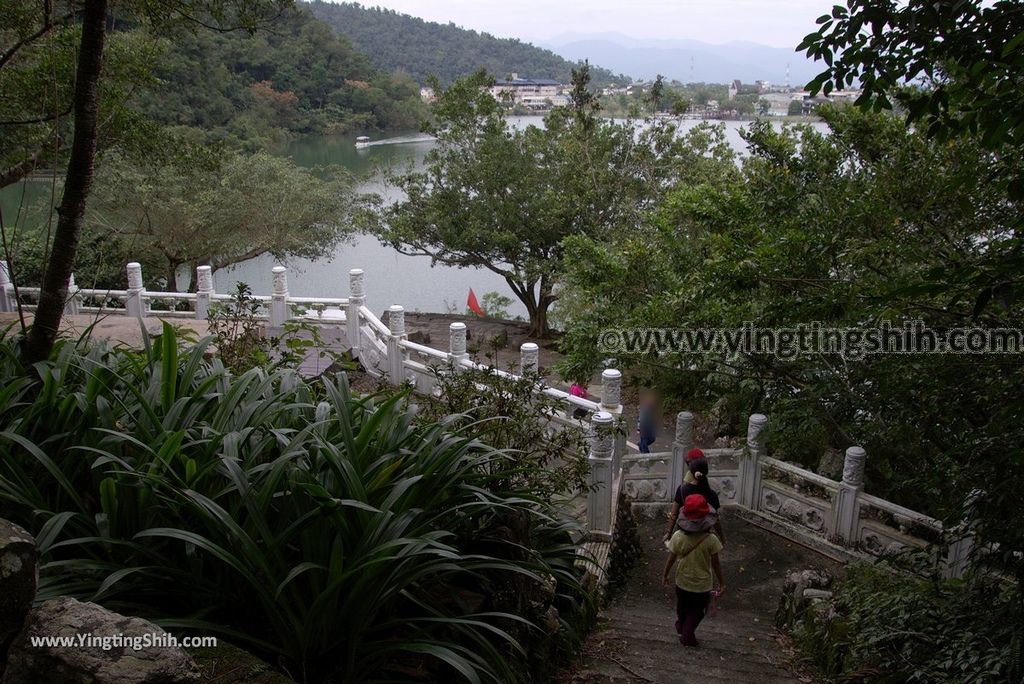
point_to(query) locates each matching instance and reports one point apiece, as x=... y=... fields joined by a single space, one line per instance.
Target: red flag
x=474 y=305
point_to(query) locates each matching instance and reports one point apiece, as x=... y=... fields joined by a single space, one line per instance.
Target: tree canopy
x=956 y=67
x=504 y=198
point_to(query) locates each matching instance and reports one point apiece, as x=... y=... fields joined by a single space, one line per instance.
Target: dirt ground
x=117 y=328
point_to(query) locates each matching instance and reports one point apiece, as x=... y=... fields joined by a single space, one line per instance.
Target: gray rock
x=831 y=464
x=721 y=419
x=795 y=598
x=19 y=574
x=420 y=336
x=817 y=595
x=118 y=664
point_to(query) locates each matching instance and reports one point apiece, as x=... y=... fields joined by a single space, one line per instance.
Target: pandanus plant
x=338 y=536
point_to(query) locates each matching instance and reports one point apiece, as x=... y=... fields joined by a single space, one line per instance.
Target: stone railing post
x=356 y=298
x=681 y=444
x=529 y=360
x=599 y=498
x=396 y=354
x=845 y=510
x=611 y=402
x=71 y=300
x=204 y=291
x=7 y=302
x=961 y=542
x=134 y=304
x=457 y=343
x=749 y=488
x=279 y=313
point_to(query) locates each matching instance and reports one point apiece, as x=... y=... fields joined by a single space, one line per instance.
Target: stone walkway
x=635 y=640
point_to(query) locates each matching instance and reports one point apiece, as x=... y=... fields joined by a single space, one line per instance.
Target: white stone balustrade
x=7 y=302
x=204 y=291
x=396 y=354
x=279 y=310
x=134 y=304
x=846 y=511
x=457 y=342
x=529 y=360
x=599 y=498
x=750 y=469
x=681 y=444
x=813 y=505
x=71 y=300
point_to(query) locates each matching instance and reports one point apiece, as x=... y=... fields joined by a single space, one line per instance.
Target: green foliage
x=235 y=208
x=508 y=414
x=504 y=198
x=341 y=537
x=850 y=229
x=254 y=90
x=893 y=628
x=237 y=327
x=397 y=42
x=967 y=82
x=495 y=304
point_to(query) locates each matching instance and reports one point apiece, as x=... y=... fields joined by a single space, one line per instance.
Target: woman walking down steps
x=694 y=549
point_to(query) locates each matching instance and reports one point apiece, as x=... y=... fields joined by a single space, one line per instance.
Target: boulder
x=721 y=419
x=420 y=337
x=831 y=464
x=801 y=588
x=19 y=574
x=122 y=658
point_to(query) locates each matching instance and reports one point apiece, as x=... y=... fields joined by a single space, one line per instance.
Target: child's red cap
x=694 y=454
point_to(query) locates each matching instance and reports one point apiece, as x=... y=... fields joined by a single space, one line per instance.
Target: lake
x=391 y=278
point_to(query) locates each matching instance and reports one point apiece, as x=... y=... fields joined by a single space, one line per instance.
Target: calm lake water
x=391 y=278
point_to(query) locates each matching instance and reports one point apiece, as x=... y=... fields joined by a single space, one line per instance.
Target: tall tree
x=33 y=23
x=77 y=185
x=502 y=198
x=224 y=211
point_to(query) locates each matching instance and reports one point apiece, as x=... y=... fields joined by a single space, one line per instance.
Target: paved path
x=635 y=640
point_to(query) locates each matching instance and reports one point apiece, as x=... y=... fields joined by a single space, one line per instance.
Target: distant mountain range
x=399 y=42
x=646 y=58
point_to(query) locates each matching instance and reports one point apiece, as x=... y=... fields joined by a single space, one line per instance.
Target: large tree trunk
x=77 y=185
x=536 y=303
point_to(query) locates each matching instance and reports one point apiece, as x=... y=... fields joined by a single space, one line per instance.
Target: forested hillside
x=301 y=77
x=400 y=42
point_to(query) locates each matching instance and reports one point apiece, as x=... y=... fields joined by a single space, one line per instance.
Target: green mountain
x=397 y=42
x=301 y=77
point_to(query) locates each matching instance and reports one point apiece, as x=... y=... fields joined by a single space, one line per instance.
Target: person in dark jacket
x=701 y=485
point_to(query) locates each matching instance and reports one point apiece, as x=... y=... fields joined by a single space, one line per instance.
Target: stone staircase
x=635 y=640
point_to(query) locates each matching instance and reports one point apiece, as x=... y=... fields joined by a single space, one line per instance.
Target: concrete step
x=744 y=658
x=669 y=670
x=733 y=625
x=635 y=640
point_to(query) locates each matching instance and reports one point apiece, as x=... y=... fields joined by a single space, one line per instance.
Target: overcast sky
x=781 y=23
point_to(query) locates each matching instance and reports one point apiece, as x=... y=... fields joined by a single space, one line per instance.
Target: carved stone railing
x=797 y=502
x=276 y=308
x=384 y=351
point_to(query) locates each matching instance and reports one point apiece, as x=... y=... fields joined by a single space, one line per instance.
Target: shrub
x=509 y=414
x=335 y=535
x=894 y=627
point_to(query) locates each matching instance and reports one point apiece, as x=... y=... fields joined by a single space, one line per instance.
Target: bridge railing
x=276 y=308
x=384 y=350
x=805 y=504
